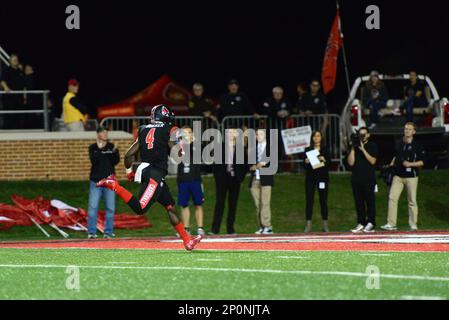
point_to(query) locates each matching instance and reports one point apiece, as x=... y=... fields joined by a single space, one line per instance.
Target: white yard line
x=376 y=254
x=299 y=272
x=291 y=257
x=205 y=259
x=121 y=262
x=422 y=298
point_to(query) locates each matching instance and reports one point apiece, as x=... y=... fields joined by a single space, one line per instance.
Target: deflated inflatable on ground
x=57 y=214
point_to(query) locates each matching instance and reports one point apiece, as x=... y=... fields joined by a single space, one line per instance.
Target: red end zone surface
x=436 y=241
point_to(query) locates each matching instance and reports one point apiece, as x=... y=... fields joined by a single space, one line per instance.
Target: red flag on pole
x=334 y=43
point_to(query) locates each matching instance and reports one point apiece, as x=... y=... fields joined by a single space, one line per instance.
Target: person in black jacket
x=104 y=156
x=362 y=160
x=317 y=177
x=414 y=96
x=314 y=104
x=409 y=159
x=260 y=185
x=235 y=103
x=200 y=105
x=277 y=108
x=228 y=178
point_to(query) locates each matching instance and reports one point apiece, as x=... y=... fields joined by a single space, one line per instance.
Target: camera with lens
x=357 y=138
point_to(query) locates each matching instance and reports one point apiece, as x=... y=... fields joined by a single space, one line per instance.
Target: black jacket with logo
x=234 y=105
x=103 y=161
x=411 y=152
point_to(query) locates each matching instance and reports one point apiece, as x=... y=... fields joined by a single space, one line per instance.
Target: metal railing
x=4 y=56
x=89 y=125
x=129 y=124
x=43 y=111
x=327 y=124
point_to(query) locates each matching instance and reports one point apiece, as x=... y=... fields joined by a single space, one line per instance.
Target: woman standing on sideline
x=317 y=176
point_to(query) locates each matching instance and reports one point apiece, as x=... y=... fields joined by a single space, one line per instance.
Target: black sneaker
x=108 y=236
x=91 y=236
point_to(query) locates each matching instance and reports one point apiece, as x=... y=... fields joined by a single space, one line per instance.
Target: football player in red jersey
x=153 y=144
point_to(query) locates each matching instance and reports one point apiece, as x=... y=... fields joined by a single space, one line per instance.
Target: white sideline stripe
x=205 y=259
x=422 y=298
x=328 y=273
x=291 y=257
x=121 y=262
x=376 y=254
x=216 y=249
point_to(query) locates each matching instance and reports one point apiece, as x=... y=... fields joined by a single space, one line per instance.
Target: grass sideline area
x=233 y=275
x=288 y=205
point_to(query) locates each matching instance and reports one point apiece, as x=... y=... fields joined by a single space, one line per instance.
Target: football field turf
x=136 y=269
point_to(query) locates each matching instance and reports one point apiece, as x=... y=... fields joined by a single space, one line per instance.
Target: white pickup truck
x=432 y=121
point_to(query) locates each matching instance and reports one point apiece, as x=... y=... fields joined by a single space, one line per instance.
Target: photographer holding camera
x=362 y=159
x=409 y=158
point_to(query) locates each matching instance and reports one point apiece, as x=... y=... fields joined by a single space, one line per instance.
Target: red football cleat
x=193 y=242
x=109 y=182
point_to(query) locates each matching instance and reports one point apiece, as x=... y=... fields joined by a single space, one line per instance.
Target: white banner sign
x=296 y=139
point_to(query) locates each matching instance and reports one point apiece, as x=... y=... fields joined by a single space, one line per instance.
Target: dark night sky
x=124 y=46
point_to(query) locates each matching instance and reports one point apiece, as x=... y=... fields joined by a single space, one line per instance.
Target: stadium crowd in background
x=277 y=108
x=13 y=78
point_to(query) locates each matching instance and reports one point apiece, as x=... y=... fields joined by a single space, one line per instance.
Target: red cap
x=73 y=82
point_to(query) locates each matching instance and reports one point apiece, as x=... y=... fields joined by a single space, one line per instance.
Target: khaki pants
x=262 y=199
x=398 y=184
x=75 y=126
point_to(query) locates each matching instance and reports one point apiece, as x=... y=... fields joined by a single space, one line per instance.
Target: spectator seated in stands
x=414 y=96
x=375 y=97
